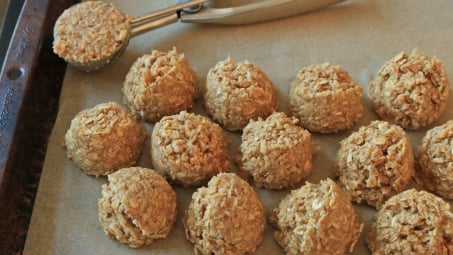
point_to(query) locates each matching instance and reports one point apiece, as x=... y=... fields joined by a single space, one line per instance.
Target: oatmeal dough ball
x=89 y=33
x=374 y=163
x=316 y=219
x=160 y=84
x=137 y=206
x=412 y=222
x=103 y=139
x=189 y=149
x=410 y=90
x=226 y=217
x=435 y=160
x=238 y=92
x=325 y=98
x=276 y=151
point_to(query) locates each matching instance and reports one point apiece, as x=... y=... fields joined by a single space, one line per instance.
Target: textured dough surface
x=189 y=149
x=434 y=160
x=238 y=92
x=325 y=98
x=226 y=217
x=412 y=222
x=89 y=32
x=316 y=219
x=410 y=90
x=137 y=206
x=160 y=84
x=103 y=139
x=374 y=163
x=276 y=152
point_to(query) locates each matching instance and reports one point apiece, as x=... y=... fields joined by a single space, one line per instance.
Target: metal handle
x=255 y=12
x=153 y=24
x=162 y=17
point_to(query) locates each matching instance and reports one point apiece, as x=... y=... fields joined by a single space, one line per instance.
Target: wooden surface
x=30 y=83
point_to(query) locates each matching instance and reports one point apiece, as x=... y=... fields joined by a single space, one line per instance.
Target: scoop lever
x=254 y=12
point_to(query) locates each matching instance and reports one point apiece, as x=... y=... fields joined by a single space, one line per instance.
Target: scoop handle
x=255 y=12
x=161 y=17
x=153 y=24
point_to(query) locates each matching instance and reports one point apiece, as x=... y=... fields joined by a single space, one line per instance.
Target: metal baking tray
x=30 y=83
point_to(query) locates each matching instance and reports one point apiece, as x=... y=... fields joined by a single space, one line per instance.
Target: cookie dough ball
x=325 y=98
x=88 y=34
x=189 y=149
x=374 y=163
x=103 y=139
x=160 y=84
x=137 y=206
x=410 y=90
x=412 y=222
x=316 y=219
x=226 y=217
x=435 y=160
x=276 y=151
x=238 y=92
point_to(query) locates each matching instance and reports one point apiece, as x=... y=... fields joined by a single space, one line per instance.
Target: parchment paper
x=357 y=35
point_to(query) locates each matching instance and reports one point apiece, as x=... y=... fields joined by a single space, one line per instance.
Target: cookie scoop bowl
x=93 y=34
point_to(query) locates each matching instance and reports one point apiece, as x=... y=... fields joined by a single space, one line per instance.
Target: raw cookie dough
x=189 y=149
x=434 y=160
x=374 y=163
x=410 y=90
x=325 y=98
x=226 y=217
x=412 y=222
x=238 y=92
x=103 y=139
x=276 y=152
x=160 y=84
x=137 y=206
x=316 y=219
x=89 y=33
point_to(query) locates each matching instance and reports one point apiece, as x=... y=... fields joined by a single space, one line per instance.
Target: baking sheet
x=357 y=35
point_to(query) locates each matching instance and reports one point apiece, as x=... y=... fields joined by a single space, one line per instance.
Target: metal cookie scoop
x=92 y=34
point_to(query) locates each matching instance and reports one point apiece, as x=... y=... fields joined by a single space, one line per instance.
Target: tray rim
x=30 y=83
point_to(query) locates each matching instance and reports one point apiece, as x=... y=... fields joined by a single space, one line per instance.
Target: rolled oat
x=410 y=90
x=276 y=152
x=434 y=160
x=89 y=34
x=325 y=98
x=226 y=217
x=189 y=149
x=238 y=92
x=316 y=219
x=160 y=84
x=137 y=206
x=374 y=163
x=103 y=139
x=412 y=222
